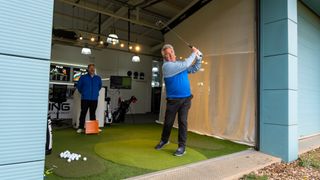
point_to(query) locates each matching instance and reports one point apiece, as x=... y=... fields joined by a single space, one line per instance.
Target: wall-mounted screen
x=77 y=73
x=59 y=73
x=120 y=82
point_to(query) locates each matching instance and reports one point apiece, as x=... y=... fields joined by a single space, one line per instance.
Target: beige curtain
x=224 y=103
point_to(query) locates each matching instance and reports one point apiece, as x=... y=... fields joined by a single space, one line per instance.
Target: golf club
x=161 y=24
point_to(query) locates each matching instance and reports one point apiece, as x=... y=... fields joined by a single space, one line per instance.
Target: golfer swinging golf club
x=178 y=93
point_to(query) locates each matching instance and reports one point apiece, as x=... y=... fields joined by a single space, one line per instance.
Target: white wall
x=111 y=62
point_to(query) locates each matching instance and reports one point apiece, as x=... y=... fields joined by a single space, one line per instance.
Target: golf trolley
x=119 y=114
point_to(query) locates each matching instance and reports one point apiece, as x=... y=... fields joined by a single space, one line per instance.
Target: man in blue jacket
x=89 y=86
x=178 y=94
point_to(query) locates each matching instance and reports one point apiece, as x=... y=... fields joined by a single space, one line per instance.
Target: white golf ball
x=84 y=158
x=77 y=158
x=69 y=160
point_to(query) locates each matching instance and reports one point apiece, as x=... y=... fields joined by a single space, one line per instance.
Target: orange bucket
x=92 y=127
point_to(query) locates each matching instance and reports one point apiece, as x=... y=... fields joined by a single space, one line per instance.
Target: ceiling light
x=155 y=69
x=80 y=38
x=122 y=45
x=112 y=39
x=137 y=48
x=130 y=47
x=135 y=58
x=86 y=51
x=101 y=42
x=92 y=39
x=180 y=57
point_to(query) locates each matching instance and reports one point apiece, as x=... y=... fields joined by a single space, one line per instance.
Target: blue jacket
x=89 y=87
x=176 y=76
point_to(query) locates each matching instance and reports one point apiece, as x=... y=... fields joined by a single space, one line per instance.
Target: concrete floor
x=231 y=166
x=309 y=143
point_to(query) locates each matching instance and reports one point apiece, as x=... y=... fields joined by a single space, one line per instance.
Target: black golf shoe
x=180 y=151
x=161 y=145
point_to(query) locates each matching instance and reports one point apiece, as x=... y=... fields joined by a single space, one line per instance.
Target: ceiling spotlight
x=135 y=58
x=180 y=57
x=155 y=69
x=101 y=42
x=137 y=48
x=86 y=50
x=80 y=38
x=92 y=39
x=122 y=45
x=130 y=47
x=113 y=39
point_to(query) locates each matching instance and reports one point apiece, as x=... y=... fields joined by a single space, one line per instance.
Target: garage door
x=308 y=72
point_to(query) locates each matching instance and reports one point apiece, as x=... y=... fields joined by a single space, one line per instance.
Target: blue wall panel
x=279 y=80
x=280 y=136
x=308 y=72
x=25 y=49
x=23 y=102
x=25 y=26
x=23 y=171
x=278 y=69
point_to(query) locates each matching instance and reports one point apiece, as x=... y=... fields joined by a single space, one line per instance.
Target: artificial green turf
x=140 y=153
x=93 y=166
x=67 y=139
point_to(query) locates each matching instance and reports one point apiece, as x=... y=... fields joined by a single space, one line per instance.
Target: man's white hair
x=166 y=46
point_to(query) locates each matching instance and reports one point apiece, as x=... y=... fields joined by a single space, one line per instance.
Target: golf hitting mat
x=92 y=166
x=141 y=153
x=126 y=150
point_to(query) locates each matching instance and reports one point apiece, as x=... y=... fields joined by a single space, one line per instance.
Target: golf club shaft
x=189 y=45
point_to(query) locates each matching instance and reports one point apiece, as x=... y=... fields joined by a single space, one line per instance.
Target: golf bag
x=108 y=112
x=123 y=107
x=49 y=136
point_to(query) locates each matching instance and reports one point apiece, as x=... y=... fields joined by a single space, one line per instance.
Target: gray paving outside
x=231 y=166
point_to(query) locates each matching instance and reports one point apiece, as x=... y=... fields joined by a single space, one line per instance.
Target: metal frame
x=258 y=63
x=110 y=14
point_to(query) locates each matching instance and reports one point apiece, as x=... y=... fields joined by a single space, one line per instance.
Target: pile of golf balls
x=71 y=156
